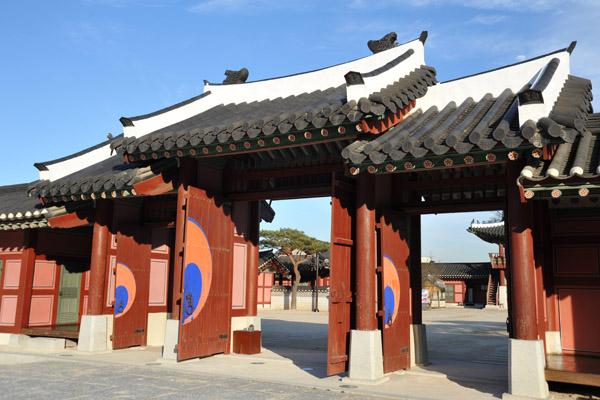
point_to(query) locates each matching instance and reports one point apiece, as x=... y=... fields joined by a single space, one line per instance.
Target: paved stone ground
x=86 y=380
x=468 y=350
x=467 y=334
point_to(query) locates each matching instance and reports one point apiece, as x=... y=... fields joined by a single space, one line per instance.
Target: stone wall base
x=156 y=329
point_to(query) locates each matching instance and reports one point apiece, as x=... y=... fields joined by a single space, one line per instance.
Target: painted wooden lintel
x=72 y=220
x=159 y=184
x=380 y=125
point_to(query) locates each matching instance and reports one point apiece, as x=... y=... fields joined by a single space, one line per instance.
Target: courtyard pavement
x=467 y=347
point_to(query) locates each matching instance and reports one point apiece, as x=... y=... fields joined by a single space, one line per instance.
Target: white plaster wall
x=503 y=296
x=305 y=301
x=495 y=82
x=67 y=167
x=283 y=87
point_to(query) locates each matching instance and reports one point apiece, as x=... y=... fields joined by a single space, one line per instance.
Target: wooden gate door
x=340 y=294
x=68 y=297
x=207 y=265
x=131 y=287
x=395 y=285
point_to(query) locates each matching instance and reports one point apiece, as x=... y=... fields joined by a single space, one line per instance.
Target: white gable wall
x=61 y=169
x=285 y=86
x=495 y=82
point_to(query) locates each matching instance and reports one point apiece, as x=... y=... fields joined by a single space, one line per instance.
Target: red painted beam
x=98 y=264
x=520 y=225
x=26 y=280
x=72 y=220
x=366 y=253
x=282 y=194
x=452 y=206
x=159 y=184
x=252 y=267
x=286 y=173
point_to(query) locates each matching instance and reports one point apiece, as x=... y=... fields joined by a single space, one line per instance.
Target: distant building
x=463 y=283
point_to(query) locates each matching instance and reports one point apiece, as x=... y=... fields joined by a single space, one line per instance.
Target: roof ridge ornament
x=235 y=77
x=385 y=43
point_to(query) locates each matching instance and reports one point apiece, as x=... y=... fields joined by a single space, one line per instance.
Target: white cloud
x=501 y=5
x=129 y=3
x=487 y=19
x=219 y=6
x=521 y=57
x=507 y=5
x=92 y=38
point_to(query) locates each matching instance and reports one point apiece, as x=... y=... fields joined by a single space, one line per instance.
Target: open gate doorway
x=301 y=335
x=465 y=318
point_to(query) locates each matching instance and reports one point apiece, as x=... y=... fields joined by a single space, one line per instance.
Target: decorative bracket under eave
x=377 y=126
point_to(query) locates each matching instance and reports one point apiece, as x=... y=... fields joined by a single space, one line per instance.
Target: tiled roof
x=476 y=124
x=17 y=211
x=575 y=161
x=491 y=232
x=109 y=178
x=233 y=123
x=458 y=270
x=338 y=96
x=308 y=265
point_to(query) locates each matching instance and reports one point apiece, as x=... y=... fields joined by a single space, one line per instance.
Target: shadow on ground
x=303 y=343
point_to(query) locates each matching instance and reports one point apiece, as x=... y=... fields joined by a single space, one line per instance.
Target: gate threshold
x=55 y=331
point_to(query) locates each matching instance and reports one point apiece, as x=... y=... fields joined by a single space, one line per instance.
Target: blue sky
x=70 y=69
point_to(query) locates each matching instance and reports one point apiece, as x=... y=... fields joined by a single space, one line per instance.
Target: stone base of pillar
x=366 y=358
x=94 y=333
x=241 y=323
x=419 y=354
x=4 y=338
x=553 y=344
x=171 y=340
x=18 y=340
x=526 y=363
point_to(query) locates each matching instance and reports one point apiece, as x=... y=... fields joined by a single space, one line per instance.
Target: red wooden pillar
x=187 y=177
x=100 y=242
x=415 y=268
x=520 y=223
x=366 y=254
x=26 y=280
x=252 y=264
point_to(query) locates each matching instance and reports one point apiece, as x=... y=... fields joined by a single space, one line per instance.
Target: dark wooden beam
x=452 y=206
x=283 y=194
x=280 y=173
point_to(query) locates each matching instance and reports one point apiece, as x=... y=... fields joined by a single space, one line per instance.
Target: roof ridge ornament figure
x=385 y=43
x=234 y=77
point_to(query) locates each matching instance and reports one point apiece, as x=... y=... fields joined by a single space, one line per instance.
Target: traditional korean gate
x=395 y=286
x=131 y=287
x=207 y=265
x=340 y=295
